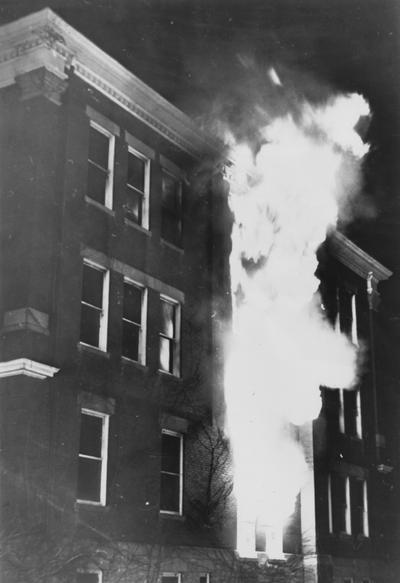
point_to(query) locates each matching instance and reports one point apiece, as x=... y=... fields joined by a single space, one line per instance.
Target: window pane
x=132 y=303
x=169 y=498
x=98 y=147
x=89 y=479
x=261 y=541
x=136 y=172
x=166 y=354
x=130 y=340
x=350 y=412
x=338 y=503
x=92 y=286
x=205 y=579
x=171 y=194
x=90 y=325
x=91 y=434
x=170 y=453
x=87 y=578
x=134 y=203
x=97 y=181
x=167 y=319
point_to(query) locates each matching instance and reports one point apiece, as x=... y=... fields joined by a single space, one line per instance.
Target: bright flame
x=284 y=199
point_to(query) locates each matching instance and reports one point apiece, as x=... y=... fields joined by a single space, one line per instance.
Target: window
x=169 y=336
x=93 y=445
x=100 y=165
x=348 y=505
x=89 y=577
x=94 y=306
x=137 y=188
x=350 y=413
x=346 y=314
x=269 y=539
x=205 y=578
x=171 y=578
x=171 y=209
x=134 y=322
x=171 y=472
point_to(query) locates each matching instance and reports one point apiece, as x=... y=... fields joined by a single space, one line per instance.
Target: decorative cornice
x=356 y=259
x=43 y=39
x=30 y=368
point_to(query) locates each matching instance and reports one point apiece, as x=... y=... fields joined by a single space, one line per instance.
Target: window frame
x=109 y=188
x=180 y=436
x=207 y=575
x=348 y=510
x=175 y=340
x=103 y=313
x=145 y=203
x=103 y=458
x=143 y=321
x=173 y=172
x=357 y=412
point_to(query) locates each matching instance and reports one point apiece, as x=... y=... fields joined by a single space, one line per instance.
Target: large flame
x=284 y=198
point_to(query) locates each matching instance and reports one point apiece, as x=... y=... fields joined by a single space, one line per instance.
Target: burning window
x=100 y=165
x=137 y=188
x=95 y=284
x=92 y=467
x=171 y=472
x=169 y=335
x=171 y=209
x=348 y=505
x=133 y=322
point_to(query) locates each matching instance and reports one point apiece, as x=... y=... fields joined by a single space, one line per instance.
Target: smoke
x=296 y=169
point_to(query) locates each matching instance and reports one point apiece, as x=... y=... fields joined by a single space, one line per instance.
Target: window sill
x=172 y=515
x=98 y=205
x=165 y=243
x=88 y=505
x=136 y=226
x=129 y=361
x=170 y=375
x=93 y=350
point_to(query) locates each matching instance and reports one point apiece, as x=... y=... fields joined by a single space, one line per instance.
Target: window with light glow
x=92 y=463
x=348 y=505
x=169 y=336
x=100 y=165
x=94 y=305
x=171 y=488
x=137 y=188
x=134 y=322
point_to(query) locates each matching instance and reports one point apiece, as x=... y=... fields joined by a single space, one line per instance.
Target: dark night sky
x=201 y=52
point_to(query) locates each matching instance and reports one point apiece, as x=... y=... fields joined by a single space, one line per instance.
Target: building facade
x=114 y=265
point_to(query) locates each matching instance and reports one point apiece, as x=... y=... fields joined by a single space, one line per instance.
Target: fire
x=284 y=198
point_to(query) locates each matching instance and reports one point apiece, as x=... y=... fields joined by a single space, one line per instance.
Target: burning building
x=119 y=264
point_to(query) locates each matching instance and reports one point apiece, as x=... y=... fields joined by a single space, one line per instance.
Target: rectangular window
x=350 y=413
x=171 y=488
x=137 y=188
x=348 y=505
x=100 y=165
x=346 y=314
x=89 y=577
x=92 y=469
x=94 y=305
x=171 y=578
x=359 y=507
x=205 y=578
x=134 y=322
x=169 y=336
x=171 y=209
x=339 y=503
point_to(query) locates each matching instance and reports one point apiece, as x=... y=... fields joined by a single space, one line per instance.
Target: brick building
x=114 y=262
